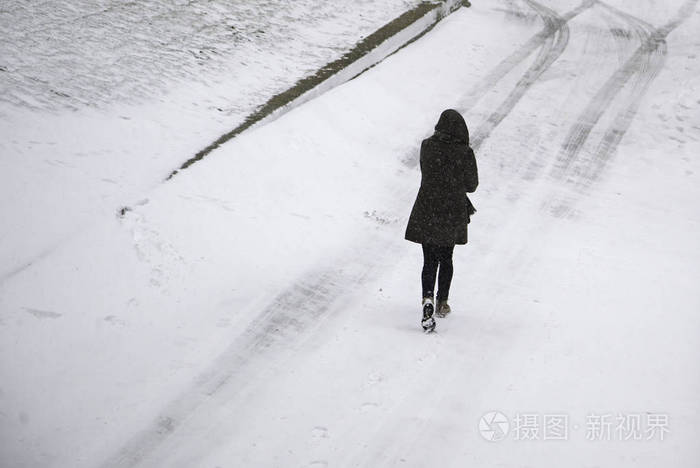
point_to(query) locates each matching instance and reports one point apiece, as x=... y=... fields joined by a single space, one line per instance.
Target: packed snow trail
x=272 y=318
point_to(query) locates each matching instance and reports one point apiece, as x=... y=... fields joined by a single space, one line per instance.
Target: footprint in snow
x=318 y=464
x=375 y=378
x=368 y=406
x=42 y=314
x=114 y=320
x=319 y=432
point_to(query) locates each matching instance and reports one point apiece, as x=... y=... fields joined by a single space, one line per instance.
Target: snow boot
x=428 y=321
x=443 y=309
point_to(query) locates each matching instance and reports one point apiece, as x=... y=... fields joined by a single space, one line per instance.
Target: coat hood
x=452 y=123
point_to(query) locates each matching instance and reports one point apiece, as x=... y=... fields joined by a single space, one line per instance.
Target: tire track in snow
x=555 y=36
x=599 y=104
x=649 y=66
x=594 y=54
x=644 y=66
x=551 y=42
x=293 y=314
x=616 y=131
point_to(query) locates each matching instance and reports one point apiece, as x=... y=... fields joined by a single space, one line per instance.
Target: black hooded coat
x=448 y=171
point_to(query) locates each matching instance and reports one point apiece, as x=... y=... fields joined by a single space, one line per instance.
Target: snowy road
x=261 y=309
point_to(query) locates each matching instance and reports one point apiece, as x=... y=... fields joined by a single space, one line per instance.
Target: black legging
x=432 y=256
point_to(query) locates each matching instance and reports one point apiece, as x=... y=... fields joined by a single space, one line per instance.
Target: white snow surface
x=262 y=307
x=101 y=100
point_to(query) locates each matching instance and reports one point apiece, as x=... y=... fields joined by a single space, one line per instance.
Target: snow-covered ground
x=261 y=309
x=101 y=100
x=79 y=53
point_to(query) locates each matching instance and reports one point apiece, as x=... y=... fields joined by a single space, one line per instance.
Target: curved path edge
x=370 y=51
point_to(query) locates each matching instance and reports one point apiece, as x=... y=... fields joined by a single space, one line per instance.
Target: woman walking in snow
x=442 y=209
